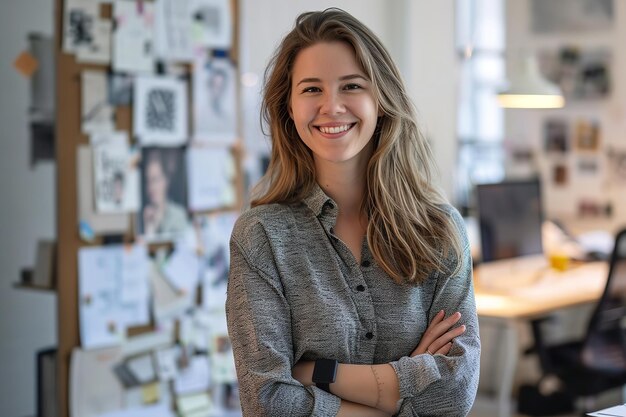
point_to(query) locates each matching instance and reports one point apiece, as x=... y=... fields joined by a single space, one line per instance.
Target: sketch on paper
x=173 y=30
x=113 y=293
x=214 y=99
x=116 y=176
x=133 y=49
x=79 y=19
x=160 y=111
x=211 y=23
x=99 y=50
x=84 y=33
x=97 y=113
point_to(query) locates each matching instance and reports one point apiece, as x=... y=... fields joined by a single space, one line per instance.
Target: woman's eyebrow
x=342 y=78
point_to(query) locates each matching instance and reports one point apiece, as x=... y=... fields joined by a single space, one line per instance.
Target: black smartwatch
x=324 y=373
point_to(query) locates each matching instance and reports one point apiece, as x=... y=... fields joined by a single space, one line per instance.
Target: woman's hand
x=439 y=335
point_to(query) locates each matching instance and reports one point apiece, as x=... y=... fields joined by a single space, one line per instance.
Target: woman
x=163 y=218
x=350 y=290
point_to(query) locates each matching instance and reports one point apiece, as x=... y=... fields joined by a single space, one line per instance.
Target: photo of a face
x=163 y=214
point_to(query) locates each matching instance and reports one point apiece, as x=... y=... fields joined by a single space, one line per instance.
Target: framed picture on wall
x=582 y=74
x=553 y=16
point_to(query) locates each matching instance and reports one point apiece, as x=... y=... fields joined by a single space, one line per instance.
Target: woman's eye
x=352 y=87
x=311 y=90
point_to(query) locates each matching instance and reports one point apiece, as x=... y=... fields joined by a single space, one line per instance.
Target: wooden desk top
x=553 y=291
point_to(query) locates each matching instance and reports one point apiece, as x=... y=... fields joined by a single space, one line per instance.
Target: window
x=480 y=45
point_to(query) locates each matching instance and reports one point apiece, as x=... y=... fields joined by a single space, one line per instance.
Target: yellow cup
x=559 y=261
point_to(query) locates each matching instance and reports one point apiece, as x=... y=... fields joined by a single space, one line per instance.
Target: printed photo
x=163 y=215
x=581 y=74
x=116 y=177
x=552 y=16
x=556 y=136
x=587 y=135
x=120 y=89
x=560 y=175
x=617 y=166
x=214 y=99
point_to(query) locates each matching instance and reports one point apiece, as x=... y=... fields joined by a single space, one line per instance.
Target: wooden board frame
x=68 y=137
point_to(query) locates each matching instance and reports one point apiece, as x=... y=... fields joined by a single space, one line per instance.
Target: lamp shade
x=528 y=89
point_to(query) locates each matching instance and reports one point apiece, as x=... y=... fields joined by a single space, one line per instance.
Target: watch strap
x=324 y=373
x=323 y=385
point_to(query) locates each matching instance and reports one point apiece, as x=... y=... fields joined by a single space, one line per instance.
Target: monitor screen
x=509 y=218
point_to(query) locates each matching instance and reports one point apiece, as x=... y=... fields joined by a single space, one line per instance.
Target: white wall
x=27 y=318
x=432 y=79
x=419 y=36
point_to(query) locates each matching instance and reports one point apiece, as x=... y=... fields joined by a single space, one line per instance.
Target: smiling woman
x=332 y=105
x=350 y=289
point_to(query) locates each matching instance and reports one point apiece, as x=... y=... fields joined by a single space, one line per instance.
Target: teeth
x=335 y=129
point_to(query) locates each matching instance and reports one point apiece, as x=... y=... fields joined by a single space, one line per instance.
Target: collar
x=317 y=200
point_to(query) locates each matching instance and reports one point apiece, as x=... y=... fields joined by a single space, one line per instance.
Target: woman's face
x=156 y=182
x=332 y=103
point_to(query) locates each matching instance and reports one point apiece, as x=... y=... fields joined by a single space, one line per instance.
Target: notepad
x=617 y=411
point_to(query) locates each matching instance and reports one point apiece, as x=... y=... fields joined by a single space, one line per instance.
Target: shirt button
x=332 y=231
x=329 y=205
x=365 y=264
x=369 y=335
x=360 y=288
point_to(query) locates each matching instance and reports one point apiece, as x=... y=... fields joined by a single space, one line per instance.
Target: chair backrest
x=605 y=341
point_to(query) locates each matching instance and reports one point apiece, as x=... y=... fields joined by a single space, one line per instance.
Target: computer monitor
x=510 y=218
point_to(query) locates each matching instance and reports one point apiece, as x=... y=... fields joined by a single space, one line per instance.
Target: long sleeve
x=438 y=385
x=259 y=325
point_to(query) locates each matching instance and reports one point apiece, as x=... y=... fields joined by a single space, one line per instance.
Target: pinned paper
x=195 y=403
x=166 y=363
x=173 y=30
x=214 y=99
x=105 y=273
x=195 y=378
x=97 y=114
x=211 y=23
x=92 y=223
x=211 y=173
x=160 y=111
x=116 y=178
x=85 y=33
x=133 y=49
x=26 y=64
x=151 y=393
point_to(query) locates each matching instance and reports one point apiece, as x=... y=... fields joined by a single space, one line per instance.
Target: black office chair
x=597 y=363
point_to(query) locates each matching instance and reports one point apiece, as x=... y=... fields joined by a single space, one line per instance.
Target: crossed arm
x=373 y=390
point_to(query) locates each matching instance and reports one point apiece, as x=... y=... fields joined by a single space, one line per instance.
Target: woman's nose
x=332 y=104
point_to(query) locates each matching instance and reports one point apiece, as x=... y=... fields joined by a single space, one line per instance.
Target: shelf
x=27 y=284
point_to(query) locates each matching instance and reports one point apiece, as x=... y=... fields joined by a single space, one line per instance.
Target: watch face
x=325 y=371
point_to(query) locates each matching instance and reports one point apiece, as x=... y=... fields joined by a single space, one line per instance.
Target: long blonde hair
x=409 y=232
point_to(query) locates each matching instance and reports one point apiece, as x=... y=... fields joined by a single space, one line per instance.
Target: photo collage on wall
x=161 y=194
x=581 y=150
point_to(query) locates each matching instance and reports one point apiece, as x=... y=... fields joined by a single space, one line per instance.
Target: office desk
x=504 y=308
